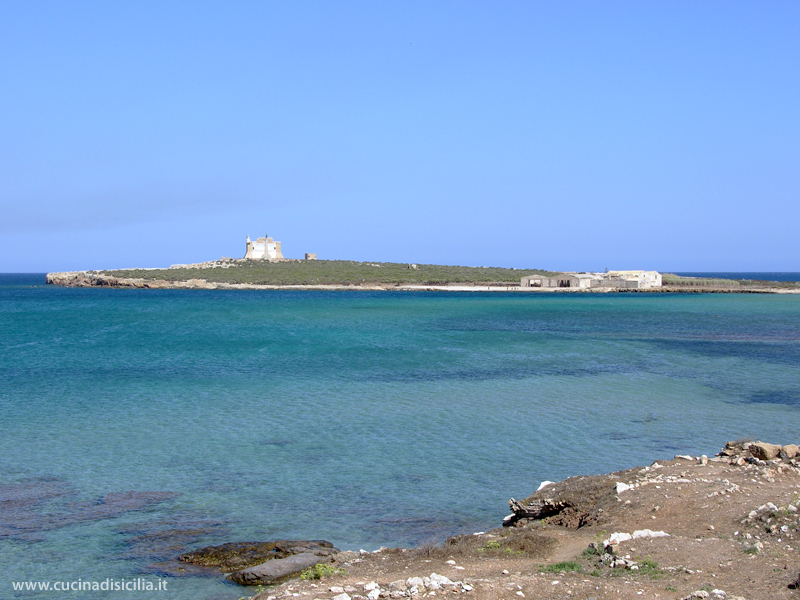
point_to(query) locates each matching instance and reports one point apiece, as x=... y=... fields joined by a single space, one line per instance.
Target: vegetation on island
x=332 y=272
x=706 y=283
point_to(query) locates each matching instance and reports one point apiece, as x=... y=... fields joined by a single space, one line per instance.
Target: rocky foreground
x=691 y=527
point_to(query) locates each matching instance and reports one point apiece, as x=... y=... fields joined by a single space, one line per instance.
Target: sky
x=560 y=135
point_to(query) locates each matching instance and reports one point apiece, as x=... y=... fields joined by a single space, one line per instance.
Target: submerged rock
x=234 y=556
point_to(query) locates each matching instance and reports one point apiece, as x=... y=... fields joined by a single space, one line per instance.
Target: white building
x=637 y=279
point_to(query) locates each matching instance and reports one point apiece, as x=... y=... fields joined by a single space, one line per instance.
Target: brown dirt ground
x=701 y=507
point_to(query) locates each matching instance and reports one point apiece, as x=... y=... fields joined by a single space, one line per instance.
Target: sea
x=139 y=424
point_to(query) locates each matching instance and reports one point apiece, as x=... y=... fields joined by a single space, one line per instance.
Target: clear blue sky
x=562 y=135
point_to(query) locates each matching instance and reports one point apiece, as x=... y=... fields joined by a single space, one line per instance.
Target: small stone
x=398 y=585
x=505 y=571
x=450 y=562
x=415 y=581
x=711 y=528
x=335 y=589
x=374 y=594
x=465 y=587
x=704 y=460
x=341 y=597
x=371 y=586
x=440 y=579
x=520 y=594
x=622 y=487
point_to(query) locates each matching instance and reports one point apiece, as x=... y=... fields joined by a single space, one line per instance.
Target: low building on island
x=621 y=280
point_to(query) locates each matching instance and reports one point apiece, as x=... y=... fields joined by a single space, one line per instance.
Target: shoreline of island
x=100 y=279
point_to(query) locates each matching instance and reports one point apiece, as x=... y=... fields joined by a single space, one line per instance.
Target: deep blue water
x=758 y=276
x=134 y=423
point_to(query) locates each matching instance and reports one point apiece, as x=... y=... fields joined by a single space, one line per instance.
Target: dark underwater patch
x=787 y=397
x=786 y=353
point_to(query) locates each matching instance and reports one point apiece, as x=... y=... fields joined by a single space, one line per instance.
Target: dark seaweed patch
x=769 y=352
x=787 y=397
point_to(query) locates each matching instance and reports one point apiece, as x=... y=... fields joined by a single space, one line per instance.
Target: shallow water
x=363 y=418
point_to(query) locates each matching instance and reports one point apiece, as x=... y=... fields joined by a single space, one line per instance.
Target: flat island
x=282 y=273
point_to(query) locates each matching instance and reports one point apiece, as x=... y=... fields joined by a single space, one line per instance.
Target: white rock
x=520 y=594
x=543 y=485
x=371 y=586
x=413 y=590
x=374 y=594
x=466 y=587
x=616 y=538
x=622 y=487
x=335 y=589
x=450 y=562
x=648 y=533
x=505 y=571
x=440 y=579
x=341 y=597
x=719 y=593
x=415 y=581
x=433 y=585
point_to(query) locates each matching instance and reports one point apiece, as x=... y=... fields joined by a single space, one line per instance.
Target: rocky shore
x=720 y=527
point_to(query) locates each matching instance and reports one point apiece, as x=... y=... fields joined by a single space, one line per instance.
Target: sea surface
x=755 y=276
x=136 y=424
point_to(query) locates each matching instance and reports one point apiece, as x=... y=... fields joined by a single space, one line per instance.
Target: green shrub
x=563 y=567
x=319 y=571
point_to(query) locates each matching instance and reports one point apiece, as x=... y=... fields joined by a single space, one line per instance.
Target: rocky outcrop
x=760 y=453
x=99 y=279
x=276 y=570
x=573 y=503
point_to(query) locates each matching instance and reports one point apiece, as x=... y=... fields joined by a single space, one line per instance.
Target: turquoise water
x=363 y=418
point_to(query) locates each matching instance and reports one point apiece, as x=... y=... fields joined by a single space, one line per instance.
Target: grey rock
x=398 y=585
x=276 y=569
